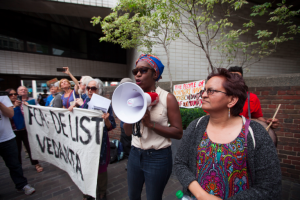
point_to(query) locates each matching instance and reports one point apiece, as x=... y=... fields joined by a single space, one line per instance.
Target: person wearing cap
x=150 y=158
x=125 y=140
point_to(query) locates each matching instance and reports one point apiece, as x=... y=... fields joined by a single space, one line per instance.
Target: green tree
x=209 y=22
x=141 y=24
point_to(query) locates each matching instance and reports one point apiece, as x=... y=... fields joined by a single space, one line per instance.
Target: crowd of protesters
x=217 y=158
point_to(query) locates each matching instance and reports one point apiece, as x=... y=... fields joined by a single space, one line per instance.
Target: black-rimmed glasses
x=209 y=92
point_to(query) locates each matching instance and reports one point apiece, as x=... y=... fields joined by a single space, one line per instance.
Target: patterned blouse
x=222 y=168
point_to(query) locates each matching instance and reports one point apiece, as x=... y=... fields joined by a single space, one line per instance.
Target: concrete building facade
x=188 y=62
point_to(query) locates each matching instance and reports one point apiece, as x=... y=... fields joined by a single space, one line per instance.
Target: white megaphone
x=130 y=102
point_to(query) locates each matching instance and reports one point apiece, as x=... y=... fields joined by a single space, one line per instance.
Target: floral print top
x=222 y=168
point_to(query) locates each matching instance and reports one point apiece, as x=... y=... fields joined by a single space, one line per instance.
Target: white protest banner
x=188 y=94
x=68 y=140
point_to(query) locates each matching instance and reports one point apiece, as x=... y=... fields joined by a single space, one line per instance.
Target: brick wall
x=288 y=132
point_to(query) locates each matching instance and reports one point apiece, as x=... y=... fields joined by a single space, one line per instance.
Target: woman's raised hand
x=67 y=70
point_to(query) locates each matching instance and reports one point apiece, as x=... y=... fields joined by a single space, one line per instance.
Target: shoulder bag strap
x=249 y=111
x=69 y=99
x=51 y=102
x=199 y=121
x=247 y=130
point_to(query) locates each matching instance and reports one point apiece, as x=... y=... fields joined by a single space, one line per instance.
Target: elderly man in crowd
x=23 y=91
x=50 y=98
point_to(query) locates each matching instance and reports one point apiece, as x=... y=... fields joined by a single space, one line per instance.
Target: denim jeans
x=152 y=167
x=9 y=153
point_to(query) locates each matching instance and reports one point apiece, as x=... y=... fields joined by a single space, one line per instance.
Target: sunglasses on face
x=209 y=92
x=11 y=94
x=91 y=88
x=142 y=70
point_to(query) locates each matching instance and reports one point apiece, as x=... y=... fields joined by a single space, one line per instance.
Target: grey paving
x=54 y=183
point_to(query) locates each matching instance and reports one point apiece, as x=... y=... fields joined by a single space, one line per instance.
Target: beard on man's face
x=80 y=91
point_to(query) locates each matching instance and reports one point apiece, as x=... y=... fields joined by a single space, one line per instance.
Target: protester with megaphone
x=150 y=158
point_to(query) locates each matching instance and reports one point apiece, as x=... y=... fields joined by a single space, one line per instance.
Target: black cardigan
x=263 y=163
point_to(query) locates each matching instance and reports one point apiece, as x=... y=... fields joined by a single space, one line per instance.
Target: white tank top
x=158 y=114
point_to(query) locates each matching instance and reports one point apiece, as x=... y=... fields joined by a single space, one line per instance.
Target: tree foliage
x=208 y=24
x=141 y=24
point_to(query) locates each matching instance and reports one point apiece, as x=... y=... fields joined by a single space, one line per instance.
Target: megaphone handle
x=138 y=130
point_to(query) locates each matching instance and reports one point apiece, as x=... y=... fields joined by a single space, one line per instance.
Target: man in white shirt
x=9 y=149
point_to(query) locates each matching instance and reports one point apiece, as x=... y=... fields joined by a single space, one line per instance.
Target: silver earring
x=228 y=112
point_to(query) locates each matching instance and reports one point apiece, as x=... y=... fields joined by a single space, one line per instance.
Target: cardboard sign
x=68 y=140
x=52 y=81
x=188 y=94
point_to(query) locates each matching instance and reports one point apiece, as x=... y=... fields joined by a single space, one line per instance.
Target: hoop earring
x=228 y=112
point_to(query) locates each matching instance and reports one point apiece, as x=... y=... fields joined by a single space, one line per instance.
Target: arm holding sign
x=109 y=119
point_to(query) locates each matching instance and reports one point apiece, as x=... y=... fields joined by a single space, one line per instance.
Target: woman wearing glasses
x=217 y=158
x=150 y=158
x=18 y=126
x=96 y=86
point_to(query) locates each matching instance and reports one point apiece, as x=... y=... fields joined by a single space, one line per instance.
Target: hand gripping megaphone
x=130 y=102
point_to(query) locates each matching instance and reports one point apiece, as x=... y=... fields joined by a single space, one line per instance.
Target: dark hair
x=10 y=89
x=236 y=69
x=234 y=85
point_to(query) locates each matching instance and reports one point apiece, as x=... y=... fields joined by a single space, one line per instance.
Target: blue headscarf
x=154 y=62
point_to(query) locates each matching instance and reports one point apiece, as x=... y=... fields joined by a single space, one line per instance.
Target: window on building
x=37 y=48
x=41 y=85
x=36 y=35
x=28 y=85
x=60 y=40
x=79 y=43
x=105 y=51
x=11 y=43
